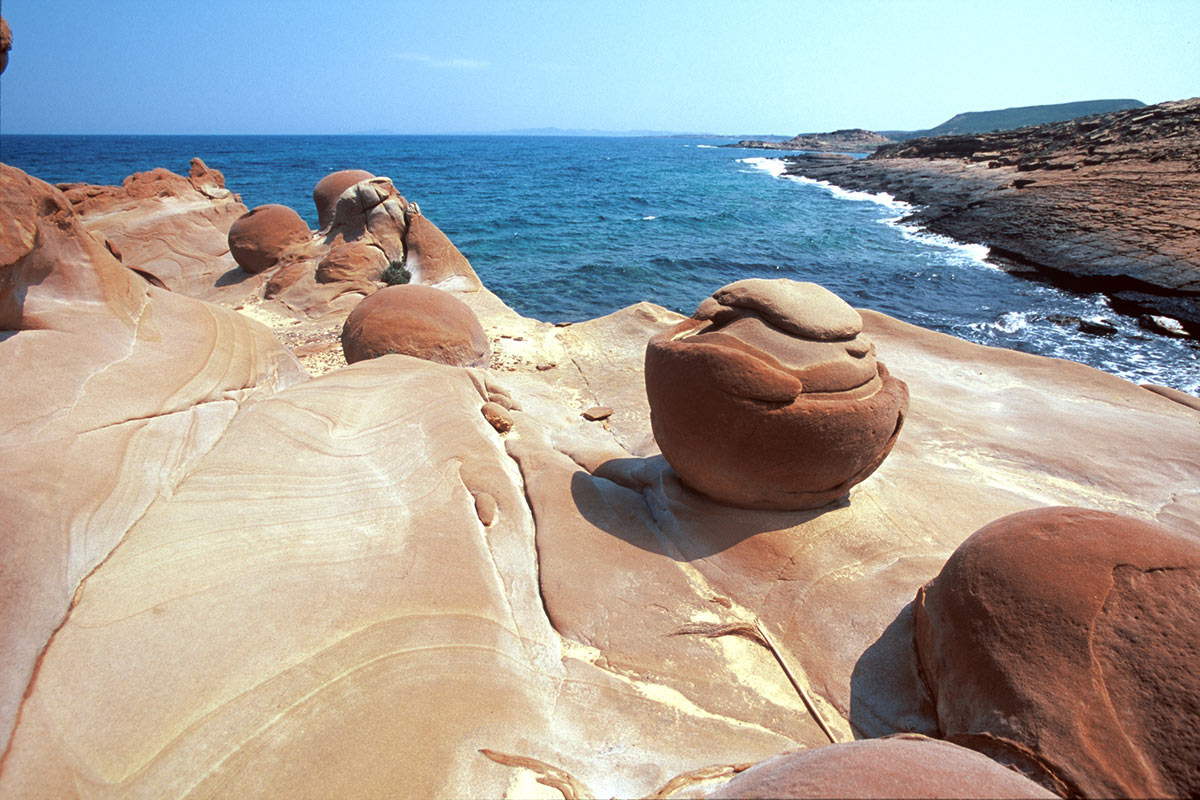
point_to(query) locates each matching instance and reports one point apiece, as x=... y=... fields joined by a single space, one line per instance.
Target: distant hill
x=1008 y=118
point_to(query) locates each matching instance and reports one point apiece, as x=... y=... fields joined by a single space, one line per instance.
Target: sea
x=571 y=228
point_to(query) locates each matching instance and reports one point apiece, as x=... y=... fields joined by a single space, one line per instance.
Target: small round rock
x=418 y=321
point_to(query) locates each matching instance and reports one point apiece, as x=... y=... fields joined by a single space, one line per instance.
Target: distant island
x=848 y=140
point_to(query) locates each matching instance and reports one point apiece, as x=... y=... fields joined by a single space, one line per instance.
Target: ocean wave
x=652 y=216
x=881 y=198
x=774 y=166
x=974 y=252
x=706 y=147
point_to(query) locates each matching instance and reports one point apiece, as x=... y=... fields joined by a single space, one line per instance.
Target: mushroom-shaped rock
x=416 y=321
x=1064 y=642
x=898 y=766
x=261 y=237
x=771 y=397
x=330 y=188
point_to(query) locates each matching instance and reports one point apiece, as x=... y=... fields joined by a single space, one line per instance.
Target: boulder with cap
x=770 y=397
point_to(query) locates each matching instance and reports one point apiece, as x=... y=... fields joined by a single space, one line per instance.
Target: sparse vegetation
x=396 y=274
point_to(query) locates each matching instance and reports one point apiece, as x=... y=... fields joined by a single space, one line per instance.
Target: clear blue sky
x=276 y=66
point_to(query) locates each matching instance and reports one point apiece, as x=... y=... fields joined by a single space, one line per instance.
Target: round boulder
x=771 y=397
x=330 y=188
x=261 y=237
x=1064 y=642
x=897 y=766
x=418 y=321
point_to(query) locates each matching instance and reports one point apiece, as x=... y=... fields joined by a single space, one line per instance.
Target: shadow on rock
x=641 y=501
x=886 y=693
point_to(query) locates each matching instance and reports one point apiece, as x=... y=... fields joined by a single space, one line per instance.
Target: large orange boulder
x=771 y=397
x=416 y=321
x=330 y=188
x=5 y=43
x=1065 y=641
x=899 y=766
x=264 y=235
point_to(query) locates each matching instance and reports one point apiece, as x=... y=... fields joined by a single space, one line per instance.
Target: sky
x=449 y=66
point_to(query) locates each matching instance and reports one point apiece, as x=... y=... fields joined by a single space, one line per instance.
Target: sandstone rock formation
x=361 y=581
x=769 y=397
x=901 y=766
x=5 y=43
x=1064 y=641
x=113 y=388
x=263 y=236
x=418 y=321
x=330 y=188
x=173 y=230
x=1108 y=202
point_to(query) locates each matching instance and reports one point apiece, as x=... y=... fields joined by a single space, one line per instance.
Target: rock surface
x=850 y=140
x=356 y=581
x=1064 y=641
x=418 y=321
x=769 y=397
x=330 y=188
x=173 y=230
x=262 y=237
x=1108 y=203
x=899 y=767
x=5 y=43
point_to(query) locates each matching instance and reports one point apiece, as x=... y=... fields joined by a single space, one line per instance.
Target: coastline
x=1105 y=204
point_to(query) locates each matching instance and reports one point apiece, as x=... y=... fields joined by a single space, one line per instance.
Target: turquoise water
x=569 y=228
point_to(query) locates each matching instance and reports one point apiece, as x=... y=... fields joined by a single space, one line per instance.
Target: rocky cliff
x=1107 y=203
x=224 y=577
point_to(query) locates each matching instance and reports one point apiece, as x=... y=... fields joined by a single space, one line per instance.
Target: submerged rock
x=771 y=397
x=263 y=236
x=418 y=321
x=1064 y=641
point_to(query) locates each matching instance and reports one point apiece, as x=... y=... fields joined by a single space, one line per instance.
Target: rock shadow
x=887 y=694
x=229 y=278
x=642 y=502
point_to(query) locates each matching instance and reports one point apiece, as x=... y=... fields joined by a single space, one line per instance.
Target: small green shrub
x=396 y=274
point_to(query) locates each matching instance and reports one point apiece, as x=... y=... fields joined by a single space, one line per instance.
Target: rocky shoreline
x=237 y=565
x=1108 y=204
x=849 y=140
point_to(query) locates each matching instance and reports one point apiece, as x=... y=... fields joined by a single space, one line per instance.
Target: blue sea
x=569 y=228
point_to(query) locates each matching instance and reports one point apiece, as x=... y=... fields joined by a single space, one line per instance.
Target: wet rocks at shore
x=1105 y=203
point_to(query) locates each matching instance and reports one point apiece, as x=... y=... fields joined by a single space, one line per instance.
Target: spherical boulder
x=897 y=766
x=418 y=321
x=1065 y=642
x=5 y=43
x=262 y=236
x=330 y=188
x=771 y=397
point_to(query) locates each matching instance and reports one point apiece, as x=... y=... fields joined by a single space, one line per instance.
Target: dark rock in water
x=1105 y=203
x=1064 y=642
x=1097 y=327
x=905 y=766
x=1160 y=324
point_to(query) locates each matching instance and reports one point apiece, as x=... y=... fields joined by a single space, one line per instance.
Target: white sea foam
x=706 y=146
x=652 y=216
x=975 y=252
x=882 y=198
x=774 y=166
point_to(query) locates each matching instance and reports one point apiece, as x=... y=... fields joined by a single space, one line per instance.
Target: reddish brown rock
x=1064 y=641
x=433 y=258
x=770 y=397
x=899 y=766
x=330 y=188
x=359 y=263
x=497 y=416
x=416 y=321
x=263 y=236
x=5 y=43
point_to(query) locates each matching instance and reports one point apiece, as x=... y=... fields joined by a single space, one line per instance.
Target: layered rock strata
x=1107 y=203
x=410 y=577
x=771 y=397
